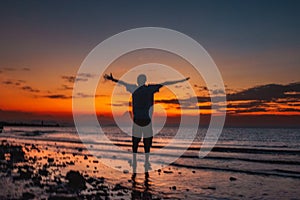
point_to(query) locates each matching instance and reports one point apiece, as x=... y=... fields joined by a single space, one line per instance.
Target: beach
x=53 y=163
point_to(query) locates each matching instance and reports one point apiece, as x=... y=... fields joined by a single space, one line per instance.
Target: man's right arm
x=110 y=77
x=129 y=87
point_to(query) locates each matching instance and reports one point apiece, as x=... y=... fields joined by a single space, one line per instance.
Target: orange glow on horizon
x=49 y=93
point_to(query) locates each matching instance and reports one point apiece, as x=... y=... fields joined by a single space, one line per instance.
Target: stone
x=27 y=195
x=75 y=180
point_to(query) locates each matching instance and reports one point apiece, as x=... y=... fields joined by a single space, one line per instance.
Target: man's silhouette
x=142 y=103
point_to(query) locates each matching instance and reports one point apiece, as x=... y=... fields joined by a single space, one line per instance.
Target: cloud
x=70 y=79
x=26 y=69
x=268 y=92
x=29 y=89
x=13 y=82
x=82 y=95
x=217 y=92
x=245 y=104
x=15 y=69
x=80 y=77
x=168 y=101
x=86 y=75
x=57 y=96
x=8 y=82
x=249 y=110
x=66 y=87
x=289 y=109
x=19 y=83
x=117 y=104
x=293 y=103
x=178 y=86
x=201 y=88
x=11 y=69
x=78 y=95
x=260 y=98
x=255 y=99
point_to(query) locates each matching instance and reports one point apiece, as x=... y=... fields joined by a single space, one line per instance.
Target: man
x=142 y=103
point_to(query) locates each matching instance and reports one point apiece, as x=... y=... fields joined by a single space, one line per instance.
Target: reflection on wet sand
x=141 y=190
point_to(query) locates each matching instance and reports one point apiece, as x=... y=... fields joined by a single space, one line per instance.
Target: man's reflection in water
x=141 y=190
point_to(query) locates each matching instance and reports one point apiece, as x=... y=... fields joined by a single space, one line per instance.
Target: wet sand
x=46 y=171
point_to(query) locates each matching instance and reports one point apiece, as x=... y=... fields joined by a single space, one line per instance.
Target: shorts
x=142 y=128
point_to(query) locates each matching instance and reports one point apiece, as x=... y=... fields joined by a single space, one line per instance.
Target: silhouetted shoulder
x=131 y=87
x=154 y=87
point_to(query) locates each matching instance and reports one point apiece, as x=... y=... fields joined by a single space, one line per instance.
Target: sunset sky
x=255 y=45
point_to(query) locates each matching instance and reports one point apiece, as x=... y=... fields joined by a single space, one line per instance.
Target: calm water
x=242 y=150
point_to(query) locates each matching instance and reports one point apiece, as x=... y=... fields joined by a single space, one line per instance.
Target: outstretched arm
x=110 y=77
x=174 y=82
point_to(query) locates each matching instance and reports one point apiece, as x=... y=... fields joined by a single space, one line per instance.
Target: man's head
x=141 y=79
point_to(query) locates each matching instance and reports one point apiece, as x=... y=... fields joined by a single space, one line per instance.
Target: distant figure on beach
x=142 y=103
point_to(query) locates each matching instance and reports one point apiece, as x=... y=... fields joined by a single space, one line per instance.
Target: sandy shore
x=28 y=171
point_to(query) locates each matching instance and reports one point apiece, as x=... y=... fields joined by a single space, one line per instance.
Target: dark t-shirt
x=142 y=100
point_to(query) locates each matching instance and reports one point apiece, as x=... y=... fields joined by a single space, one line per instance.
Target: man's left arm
x=174 y=82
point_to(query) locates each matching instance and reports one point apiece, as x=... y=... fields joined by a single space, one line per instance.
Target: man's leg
x=135 y=144
x=147 y=140
x=147 y=137
x=134 y=163
x=147 y=144
x=136 y=138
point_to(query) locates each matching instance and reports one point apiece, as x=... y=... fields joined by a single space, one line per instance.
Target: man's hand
x=185 y=79
x=109 y=77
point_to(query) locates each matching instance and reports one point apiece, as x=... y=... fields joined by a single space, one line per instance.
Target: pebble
x=120 y=194
x=43 y=172
x=209 y=188
x=50 y=160
x=27 y=195
x=118 y=187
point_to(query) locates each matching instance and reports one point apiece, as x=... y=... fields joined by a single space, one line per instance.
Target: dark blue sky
x=239 y=35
